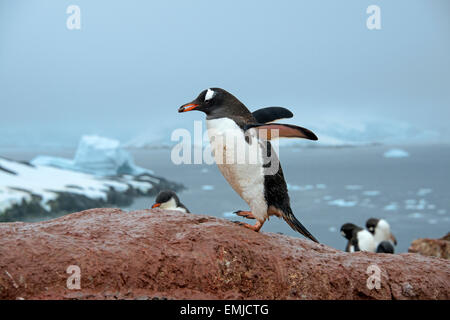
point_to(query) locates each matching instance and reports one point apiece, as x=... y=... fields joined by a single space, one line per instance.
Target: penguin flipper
x=265 y=131
x=269 y=114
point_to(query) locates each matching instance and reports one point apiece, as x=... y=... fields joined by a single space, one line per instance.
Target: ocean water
x=327 y=186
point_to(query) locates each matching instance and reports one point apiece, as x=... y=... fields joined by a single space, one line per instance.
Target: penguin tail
x=292 y=221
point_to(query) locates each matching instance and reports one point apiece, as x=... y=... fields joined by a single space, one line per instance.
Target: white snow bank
x=19 y=181
x=396 y=153
x=96 y=155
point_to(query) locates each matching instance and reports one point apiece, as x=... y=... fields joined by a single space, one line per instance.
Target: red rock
x=154 y=254
x=432 y=247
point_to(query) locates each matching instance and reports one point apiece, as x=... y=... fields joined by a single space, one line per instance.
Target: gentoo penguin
x=381 y=230
x=232 y=128
x=168 y=200
x=359 y=239
x=385 y=247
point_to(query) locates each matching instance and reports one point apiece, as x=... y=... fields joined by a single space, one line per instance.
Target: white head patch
x=209 y=94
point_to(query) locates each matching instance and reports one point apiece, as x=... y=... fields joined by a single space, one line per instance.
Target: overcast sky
x=133 y=63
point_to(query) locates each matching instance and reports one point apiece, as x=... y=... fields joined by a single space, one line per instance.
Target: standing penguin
x=359 y=239
x=168 y=200
x=382 y=234
x=232 y=128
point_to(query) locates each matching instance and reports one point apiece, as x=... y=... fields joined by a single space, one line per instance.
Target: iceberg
x=96 y=155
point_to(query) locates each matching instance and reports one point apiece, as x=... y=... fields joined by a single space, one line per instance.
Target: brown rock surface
x=161 y=254
x=432 y=247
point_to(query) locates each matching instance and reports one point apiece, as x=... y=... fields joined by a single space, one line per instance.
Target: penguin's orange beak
x=156 y=205
x=188 y=107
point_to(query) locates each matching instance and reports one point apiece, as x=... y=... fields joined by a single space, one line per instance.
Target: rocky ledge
x=154 y=253
x=432 y=247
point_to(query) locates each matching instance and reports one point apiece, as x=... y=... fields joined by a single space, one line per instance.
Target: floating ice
x=391 y=207
x=321 y=186
x=412 y=204
x=432 y=221
x=415 y=215
x=332 y=229
x=371 y=193
x=424 y=191
x=353 y=187
x=442 y=211
x=342 y=203
x=294 y=187
x=207 y=188
x=96 y=155
x=204 y=170
x=396 y=153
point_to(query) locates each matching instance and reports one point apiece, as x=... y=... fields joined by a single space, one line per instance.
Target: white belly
x=240 y=163
x=366 y=241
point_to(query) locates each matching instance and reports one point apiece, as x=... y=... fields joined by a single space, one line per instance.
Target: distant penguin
x=169 y=200
x=381 y=231
x=231 y=128
x=385 y=247
x=359 y=239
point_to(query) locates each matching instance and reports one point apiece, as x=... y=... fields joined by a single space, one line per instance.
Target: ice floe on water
x=371 y=193
x=424 y=191
x=204 y=170
x=332 y=229
x=393 y=206
x=412 y=204
x=353 y=187
x=432 y=221
x=293 y=187
x=442 y=211
x=415 y=215
x=342 y=203
x=396 y=153
x=207 y=187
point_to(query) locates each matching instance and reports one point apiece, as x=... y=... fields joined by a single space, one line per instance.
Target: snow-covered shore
x=101 y=174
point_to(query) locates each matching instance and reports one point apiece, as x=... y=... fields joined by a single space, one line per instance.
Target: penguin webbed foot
x=244 y=214
x=255 y=227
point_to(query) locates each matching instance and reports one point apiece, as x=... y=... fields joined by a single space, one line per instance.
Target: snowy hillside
x=101 y=174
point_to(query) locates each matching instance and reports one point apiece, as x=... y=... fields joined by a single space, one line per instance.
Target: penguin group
x=265 y=192
x=376 y=238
